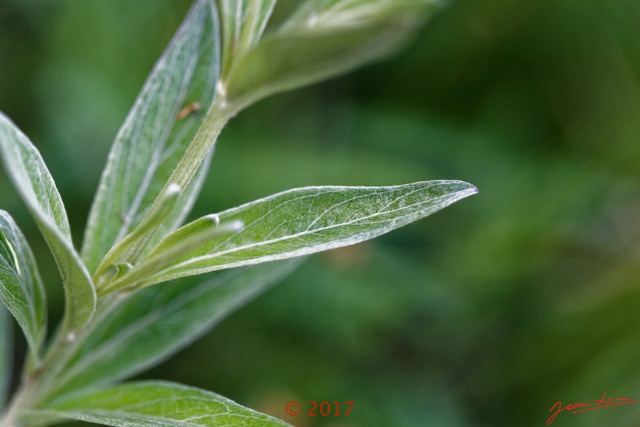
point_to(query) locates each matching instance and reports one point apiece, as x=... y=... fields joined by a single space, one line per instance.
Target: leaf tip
x=463 y=189
x=215 y=218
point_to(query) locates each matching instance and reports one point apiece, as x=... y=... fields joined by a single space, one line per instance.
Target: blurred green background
x=485 y=314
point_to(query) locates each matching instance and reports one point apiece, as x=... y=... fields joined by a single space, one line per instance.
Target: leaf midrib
x=299 y=234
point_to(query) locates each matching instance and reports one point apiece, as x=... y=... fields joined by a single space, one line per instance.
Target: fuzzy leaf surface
x=156 y=322
x=21 y=287
x=313 y=219
x=156 y=404
x=31 y=178
x=165 y=117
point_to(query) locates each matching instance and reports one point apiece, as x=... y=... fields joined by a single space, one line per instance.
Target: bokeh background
x=485 y=314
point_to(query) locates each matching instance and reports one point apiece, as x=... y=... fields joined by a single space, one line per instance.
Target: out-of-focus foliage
x=532 y=299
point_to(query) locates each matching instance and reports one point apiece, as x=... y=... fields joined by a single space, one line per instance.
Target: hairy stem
x=217 y=117
x=39 y=383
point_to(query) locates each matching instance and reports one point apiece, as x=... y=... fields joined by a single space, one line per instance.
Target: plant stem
x=217 y=117
x=20 y=401
x=37 y=384
x=8 y=420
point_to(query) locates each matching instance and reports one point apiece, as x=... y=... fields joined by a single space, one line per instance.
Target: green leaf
x=322 y=39
x=6 y=356
x=155 y=404
x=154 y=323
x=186 y=240
x=132 y=245
x=20 y=284
x=165 y=117
x=242 y=22
x=308 y=220
x=34 y=183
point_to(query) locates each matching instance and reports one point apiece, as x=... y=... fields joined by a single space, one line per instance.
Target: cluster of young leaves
x=225 y=56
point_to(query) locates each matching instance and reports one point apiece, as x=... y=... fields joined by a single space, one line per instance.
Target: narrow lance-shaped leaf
x=155 y=404
x=6 y=350
x=34 y=183
x=320 y=40
x=242 y=22
x=21 y=288
x=299 y=53
x=308 y=220
x=165 y=117
x=156 y=322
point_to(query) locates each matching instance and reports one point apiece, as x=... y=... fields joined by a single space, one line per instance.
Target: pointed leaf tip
x=308 y=220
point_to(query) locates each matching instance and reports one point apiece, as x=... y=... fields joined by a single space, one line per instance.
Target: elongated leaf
x=158 y=321
x=156 y=404
x=34 y=183
x=20 y=284
x=242 y=22
x=6 y=350
x=340 y=13
x=313 y=219
x=321 y=40
x=155 y=135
